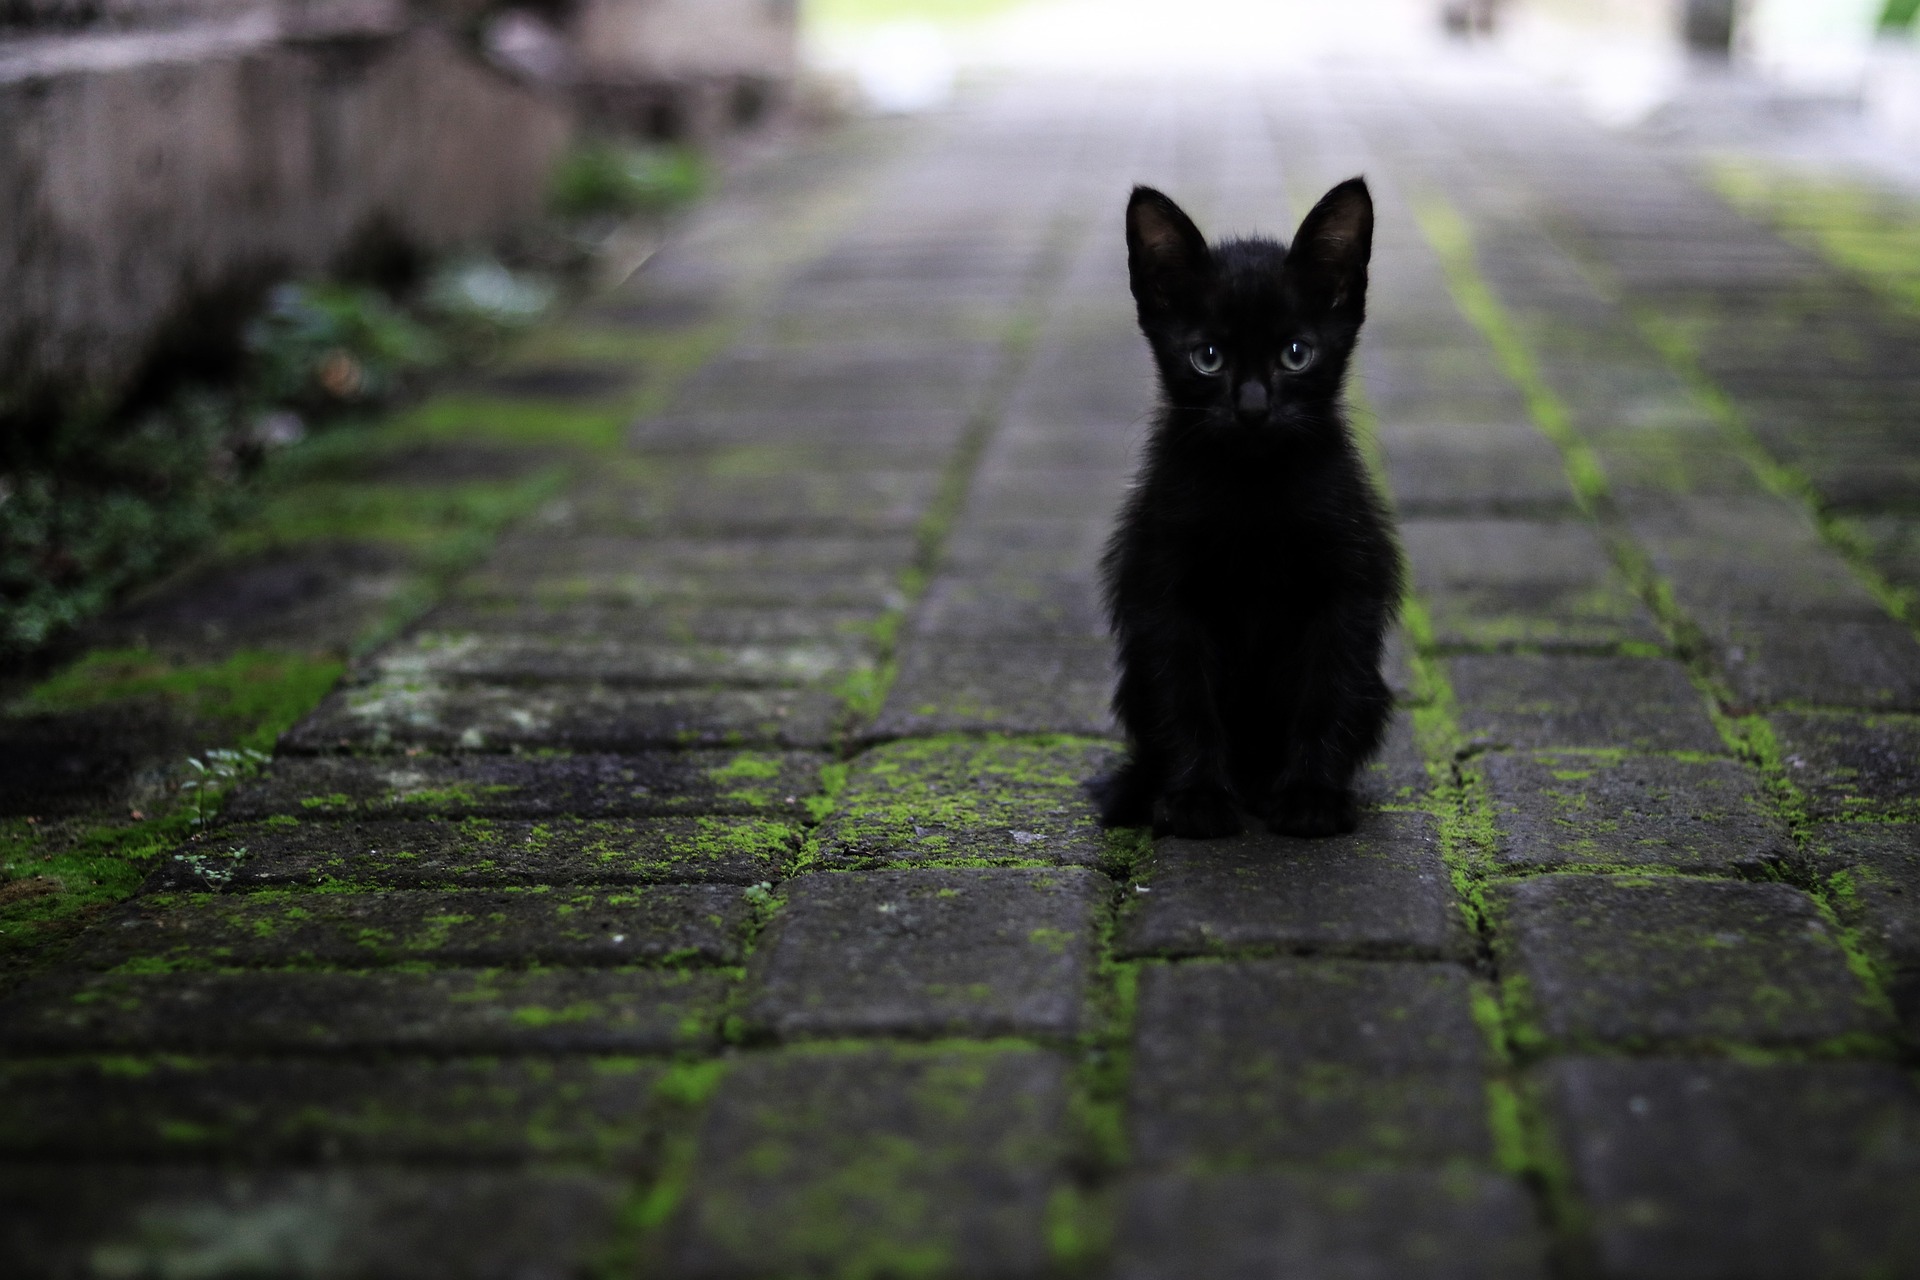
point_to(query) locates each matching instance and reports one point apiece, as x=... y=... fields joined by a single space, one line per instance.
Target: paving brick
x=553 y=569
x=756 y=783
x=444 y=656
x=967 y=799
x=1251 y=1063
x=475 y=928
x=850 y=376
x=1398 y=775
x=949 y=687
x=709 y=632
x=1380 y=891
x=1867 y=663
x=1873 y=878
x=1527 y=583
x=879 y=437
x=180 y=1219
x=1013 y=607
x=1413 y=1223
x=1565 y=810
x=1749 y=557
x=1562 y=700
x=1668 y=960
x=457 y=1011
x=398 y=712
x=479 y=853
x=806 y=500
x=1852 y=766
x=1496 y=469
x=1723 y=1169
x=934 y=952
x=898 y=1160
x=482 y=1110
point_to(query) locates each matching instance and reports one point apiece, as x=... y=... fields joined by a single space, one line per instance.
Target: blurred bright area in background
x=1624 y=60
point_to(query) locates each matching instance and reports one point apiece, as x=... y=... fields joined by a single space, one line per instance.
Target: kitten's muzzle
x=1250 y=400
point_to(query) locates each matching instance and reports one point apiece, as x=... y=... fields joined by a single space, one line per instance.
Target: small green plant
x=603 y=177
x=1899 y=15
x=212 y=775
x=216 y=870
x=329 y=345
x=478 y=294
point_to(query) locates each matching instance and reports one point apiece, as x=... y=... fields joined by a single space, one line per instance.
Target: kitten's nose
x=1250 y=401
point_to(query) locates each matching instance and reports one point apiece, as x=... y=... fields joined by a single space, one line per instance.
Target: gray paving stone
x=618 y=660
x=1748 y=557
x=480 y=1110
x=738 y=500
x=1013 y=607
x=1667 y=960
x=1398 y=775
x=1496 y=469
x=475 y=928
x=1255 y=1063
x=1522 y=583
x=1873 y=879
x=1567 y=810
x=1723 y=1169
x=556 y=569
x=920 y=376
x=1866 y=663
x=978 y=952
x=70 y=1219
x=451 y=1011
x=986 y=799
x=1402 y=1224
x=478 y=853
x=880 y=437
x=1563 y=700
x=409 y=711
x=902 y=1160
x=757 y=783
x=1852 y=766
x=706 y=632
x=958 y=687
x=1382 y=891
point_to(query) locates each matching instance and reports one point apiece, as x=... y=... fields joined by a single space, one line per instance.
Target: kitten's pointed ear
x=1330 y=253
x=1166 y=254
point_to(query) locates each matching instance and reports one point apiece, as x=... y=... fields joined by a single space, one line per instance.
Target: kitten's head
x=1251 y=335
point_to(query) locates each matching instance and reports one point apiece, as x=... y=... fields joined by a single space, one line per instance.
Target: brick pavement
x=708 y=889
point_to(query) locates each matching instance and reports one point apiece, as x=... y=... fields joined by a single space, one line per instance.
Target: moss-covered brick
x=1254 y=1063
x=1602 y=809
x=967 y=799
x=970 y=951
x=478 y=852
x=947 y=686
x=682 y=924
x=485 y=1109
x=1871 y=873
x=1542 y=701
x=179 y=1216
x=1849 y=766
x=449 y=1011
x=719 y=782
x=1382 y=891
x=1742 y=1169
x=1671 y=962
x=454 y=656
x=555 y=569
x=398 y=711
x=1451 y=1224
x=877 y=1162
x=1522 y=583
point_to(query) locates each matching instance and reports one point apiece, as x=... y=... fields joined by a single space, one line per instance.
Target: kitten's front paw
x=1312 y=811
x=1199 y=813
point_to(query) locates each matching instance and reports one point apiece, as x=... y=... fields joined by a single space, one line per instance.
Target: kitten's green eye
x=1296 y=355
x=1208 y=359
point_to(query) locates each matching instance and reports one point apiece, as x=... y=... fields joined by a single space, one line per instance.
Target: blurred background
x=226 y=223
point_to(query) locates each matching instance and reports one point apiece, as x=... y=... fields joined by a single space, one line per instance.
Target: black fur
x=1254 y=572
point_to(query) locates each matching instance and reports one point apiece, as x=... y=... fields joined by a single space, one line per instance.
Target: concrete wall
x=145 y=176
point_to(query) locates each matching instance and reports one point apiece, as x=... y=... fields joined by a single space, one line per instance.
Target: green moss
x=1870 y=231
x=258 y=694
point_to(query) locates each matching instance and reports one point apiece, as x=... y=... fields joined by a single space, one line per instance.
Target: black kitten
x=1253 y=573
